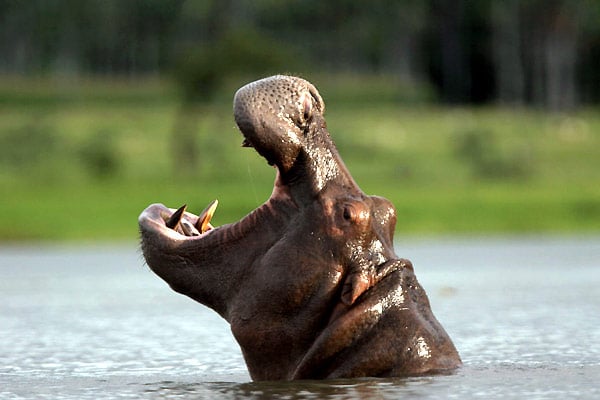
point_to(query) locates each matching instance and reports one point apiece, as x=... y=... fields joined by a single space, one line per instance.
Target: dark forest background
x=538 y=52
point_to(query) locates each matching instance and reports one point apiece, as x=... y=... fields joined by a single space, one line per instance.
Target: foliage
x=479 y=148
x=27 y=145
x=99 y=154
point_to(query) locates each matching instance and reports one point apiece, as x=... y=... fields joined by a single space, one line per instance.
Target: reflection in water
x=501 y=381
x=83 y=323
x=333 y=389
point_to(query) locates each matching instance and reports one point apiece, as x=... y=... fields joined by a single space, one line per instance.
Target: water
x=93 y=322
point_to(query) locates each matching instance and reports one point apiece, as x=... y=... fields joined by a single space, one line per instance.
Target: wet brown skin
x=309 y=281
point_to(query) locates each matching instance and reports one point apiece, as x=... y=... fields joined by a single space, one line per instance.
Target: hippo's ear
x=318 y=100
x=355 y=284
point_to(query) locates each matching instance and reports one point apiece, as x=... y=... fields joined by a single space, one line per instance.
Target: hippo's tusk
x=175 y=218
x=203 y=223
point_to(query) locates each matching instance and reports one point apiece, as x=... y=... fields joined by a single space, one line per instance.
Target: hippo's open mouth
x=188 y=224
x=172 y=225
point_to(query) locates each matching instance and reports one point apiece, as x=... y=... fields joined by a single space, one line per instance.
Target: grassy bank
x=80 y=161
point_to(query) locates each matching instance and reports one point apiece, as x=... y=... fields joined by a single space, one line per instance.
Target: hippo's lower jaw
x=309 y=281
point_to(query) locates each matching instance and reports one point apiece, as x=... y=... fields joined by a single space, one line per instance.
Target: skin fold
x=309 y=281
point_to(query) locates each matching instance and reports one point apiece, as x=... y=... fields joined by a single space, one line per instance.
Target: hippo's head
x=309 y=281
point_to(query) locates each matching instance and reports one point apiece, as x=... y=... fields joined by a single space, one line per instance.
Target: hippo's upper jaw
x=309 y=281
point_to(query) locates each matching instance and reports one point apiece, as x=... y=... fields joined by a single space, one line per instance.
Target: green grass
x=81 y=162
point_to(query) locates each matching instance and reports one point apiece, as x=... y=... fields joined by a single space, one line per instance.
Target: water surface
x=93 y=322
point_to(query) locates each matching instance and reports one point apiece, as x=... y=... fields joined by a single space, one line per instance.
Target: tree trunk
x=560 y=59
x=455 y=73
x=507 y=52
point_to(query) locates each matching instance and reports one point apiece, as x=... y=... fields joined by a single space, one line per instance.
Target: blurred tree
x=588 y=53
x=86 y=36
x=449 y=66
x=542 y=52
x=551 y=39
x=507 y=50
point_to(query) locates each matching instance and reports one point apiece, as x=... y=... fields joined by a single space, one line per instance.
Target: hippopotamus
x=309 y=281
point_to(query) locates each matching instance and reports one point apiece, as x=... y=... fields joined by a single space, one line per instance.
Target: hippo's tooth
x=203 y=223
x=175 y=218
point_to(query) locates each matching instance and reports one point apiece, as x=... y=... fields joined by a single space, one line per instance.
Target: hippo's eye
x=348 y=213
